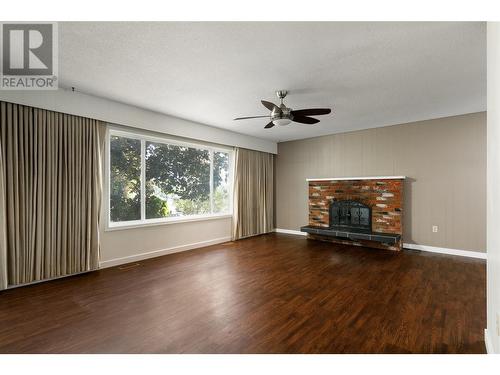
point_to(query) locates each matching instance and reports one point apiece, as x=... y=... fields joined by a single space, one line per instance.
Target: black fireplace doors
x=350 y=215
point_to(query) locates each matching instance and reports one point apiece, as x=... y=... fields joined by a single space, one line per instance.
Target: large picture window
x=154 y=180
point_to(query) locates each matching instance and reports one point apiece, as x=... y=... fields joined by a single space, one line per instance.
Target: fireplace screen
x=348 y=214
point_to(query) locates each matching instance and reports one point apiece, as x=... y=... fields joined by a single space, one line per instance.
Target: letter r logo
x=27 y=49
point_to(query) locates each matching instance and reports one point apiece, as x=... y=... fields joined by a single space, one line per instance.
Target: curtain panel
x=253 y=193
x=3 y=234
x=52 y=192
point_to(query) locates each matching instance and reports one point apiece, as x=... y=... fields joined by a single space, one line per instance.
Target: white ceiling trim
x=90 y=106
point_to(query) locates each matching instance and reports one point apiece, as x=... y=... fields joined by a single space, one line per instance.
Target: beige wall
x=445 y=160
x=127 y=245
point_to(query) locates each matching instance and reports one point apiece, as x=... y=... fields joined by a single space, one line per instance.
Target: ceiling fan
x=281 y=115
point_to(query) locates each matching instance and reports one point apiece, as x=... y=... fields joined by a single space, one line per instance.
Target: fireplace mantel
x=357 y=178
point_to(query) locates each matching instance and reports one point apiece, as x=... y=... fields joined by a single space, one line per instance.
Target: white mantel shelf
x=358 y=178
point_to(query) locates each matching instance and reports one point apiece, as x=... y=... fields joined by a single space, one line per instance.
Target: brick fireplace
x=362 y=211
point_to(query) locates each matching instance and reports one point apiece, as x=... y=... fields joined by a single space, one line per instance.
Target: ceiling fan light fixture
x=282 y=121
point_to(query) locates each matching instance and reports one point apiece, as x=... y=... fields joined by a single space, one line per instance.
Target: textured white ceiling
x=372 y=74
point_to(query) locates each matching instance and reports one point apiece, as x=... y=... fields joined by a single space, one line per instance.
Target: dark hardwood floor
x=268 y=294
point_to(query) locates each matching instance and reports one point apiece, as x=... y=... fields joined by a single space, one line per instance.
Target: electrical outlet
x=434 y=229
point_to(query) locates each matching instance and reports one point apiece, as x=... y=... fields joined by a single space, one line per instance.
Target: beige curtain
x=3 y=235
x=53 y=188
x=253 y=193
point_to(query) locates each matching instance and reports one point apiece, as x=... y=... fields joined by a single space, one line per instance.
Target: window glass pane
x=221 y=182
x=125 y=179
x=177 y=181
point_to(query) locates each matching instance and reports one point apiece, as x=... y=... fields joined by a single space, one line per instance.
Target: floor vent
x=127 y=267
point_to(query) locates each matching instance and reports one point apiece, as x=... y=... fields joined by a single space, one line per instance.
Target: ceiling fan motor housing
x=283 y=115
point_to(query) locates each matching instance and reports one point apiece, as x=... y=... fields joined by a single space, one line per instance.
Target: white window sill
x=154 y=222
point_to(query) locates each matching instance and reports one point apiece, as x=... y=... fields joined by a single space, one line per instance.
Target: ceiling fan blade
x=244 y=118
x=305 y=120
x=270 y=105
x=270 y=125
x=312 y=112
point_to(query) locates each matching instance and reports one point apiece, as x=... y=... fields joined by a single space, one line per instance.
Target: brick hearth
x=384 y=196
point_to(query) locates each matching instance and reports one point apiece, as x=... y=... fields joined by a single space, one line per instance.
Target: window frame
x=143 y=138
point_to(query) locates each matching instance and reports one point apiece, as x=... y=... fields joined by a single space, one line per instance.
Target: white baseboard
x=431 y=249
x=157 y=253
x=487 y=342
x=443 y=250
x=290 y=231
